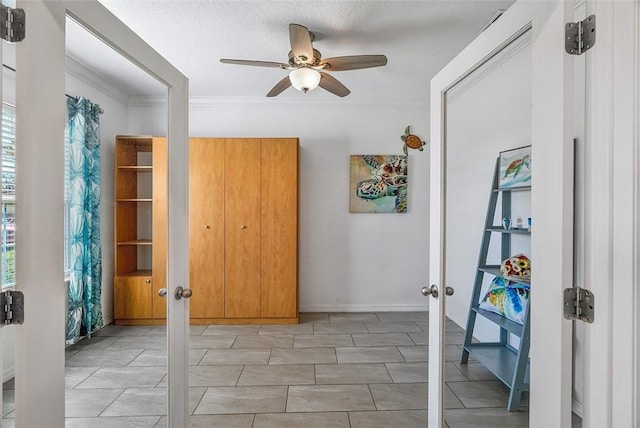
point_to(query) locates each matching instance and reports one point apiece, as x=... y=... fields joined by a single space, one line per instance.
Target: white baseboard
x=364 y=308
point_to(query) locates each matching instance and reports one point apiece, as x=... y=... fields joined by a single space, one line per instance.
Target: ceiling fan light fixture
x=304 y=79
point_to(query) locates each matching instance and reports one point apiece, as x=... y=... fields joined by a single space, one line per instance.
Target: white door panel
x=551 y=138
x=611 y=221
x=40 y=82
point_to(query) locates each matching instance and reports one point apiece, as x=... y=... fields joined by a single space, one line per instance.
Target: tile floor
x=357 y=370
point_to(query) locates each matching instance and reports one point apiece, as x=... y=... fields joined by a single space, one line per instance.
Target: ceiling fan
x=307 y=68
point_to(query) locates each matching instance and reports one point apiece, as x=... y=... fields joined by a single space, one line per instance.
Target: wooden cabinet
x=243 y=230
x=140 y=227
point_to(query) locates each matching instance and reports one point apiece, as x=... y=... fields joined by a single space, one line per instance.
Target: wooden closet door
x=206 y=227
x=160 y=227
x=279 y=237
x=242 y=228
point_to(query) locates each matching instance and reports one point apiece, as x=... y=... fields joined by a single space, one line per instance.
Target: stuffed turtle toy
x=411 y=141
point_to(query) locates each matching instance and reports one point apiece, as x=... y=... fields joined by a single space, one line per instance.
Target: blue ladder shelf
x=507 y=363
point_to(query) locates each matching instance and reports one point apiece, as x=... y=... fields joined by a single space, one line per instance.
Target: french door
x=40 y=94
x=550 y=136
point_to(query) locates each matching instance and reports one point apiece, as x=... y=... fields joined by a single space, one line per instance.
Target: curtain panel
x=84 y=311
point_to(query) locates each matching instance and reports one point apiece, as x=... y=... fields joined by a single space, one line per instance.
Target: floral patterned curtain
x=84 y=312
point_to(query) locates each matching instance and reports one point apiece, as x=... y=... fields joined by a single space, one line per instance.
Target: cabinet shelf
x=137 y=273
x=135 y=242
x=135 y=168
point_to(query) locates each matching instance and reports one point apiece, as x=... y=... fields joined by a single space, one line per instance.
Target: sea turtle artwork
x=379 y=183
x=515 y=168
x=411 y=141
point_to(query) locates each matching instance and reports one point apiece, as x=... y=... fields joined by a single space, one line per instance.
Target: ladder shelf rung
x=513 y=230
x=504 y=322
x=491 y=269
x=512 y=189
x=500 y=360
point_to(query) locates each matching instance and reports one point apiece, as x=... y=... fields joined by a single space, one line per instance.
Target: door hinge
x=11 y=307
x=578 y=304
x=580 y=36
x=12 y=22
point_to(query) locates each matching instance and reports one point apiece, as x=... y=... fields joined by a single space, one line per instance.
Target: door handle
x=430 y=291
x=162 y=292
x=433 y=291
x=183 y=292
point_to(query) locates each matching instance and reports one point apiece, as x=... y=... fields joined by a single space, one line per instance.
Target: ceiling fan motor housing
x=301 y=61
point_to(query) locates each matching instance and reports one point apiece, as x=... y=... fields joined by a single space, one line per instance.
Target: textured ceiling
x=418 y=38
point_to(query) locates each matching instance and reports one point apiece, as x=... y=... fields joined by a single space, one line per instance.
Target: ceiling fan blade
x=332 y=85
x=301 y=43
x=354 y=62
x=255 y=63
x=280 y=86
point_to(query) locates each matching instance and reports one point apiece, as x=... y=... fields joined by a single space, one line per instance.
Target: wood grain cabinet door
x=206 y=227
x=132 y=297
x=279 y=232
x=160 y=226
x=242 y=228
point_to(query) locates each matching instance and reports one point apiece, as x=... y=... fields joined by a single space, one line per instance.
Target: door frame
x=40 y=388
x=552 y=251
x=612 y=342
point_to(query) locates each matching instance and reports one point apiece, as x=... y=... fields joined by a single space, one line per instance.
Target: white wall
x=347 y=262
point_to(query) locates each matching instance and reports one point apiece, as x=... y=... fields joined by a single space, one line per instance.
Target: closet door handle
x=243 y=226
x=206 y=226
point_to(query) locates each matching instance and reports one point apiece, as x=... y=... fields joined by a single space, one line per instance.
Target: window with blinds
x=8 y=231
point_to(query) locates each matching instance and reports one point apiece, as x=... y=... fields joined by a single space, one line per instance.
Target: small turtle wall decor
x=411 y=141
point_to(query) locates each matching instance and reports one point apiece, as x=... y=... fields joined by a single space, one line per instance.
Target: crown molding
x=96 y=81
x=216 y=102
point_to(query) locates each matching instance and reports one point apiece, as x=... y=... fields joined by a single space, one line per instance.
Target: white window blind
x=8 y=208
x=8 y=231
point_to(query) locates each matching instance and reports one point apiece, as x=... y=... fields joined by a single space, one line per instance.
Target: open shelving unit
x=508 y=363
x=140 y=229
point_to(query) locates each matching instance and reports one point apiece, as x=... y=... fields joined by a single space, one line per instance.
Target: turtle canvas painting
x=378 y=184
x=515 y=168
